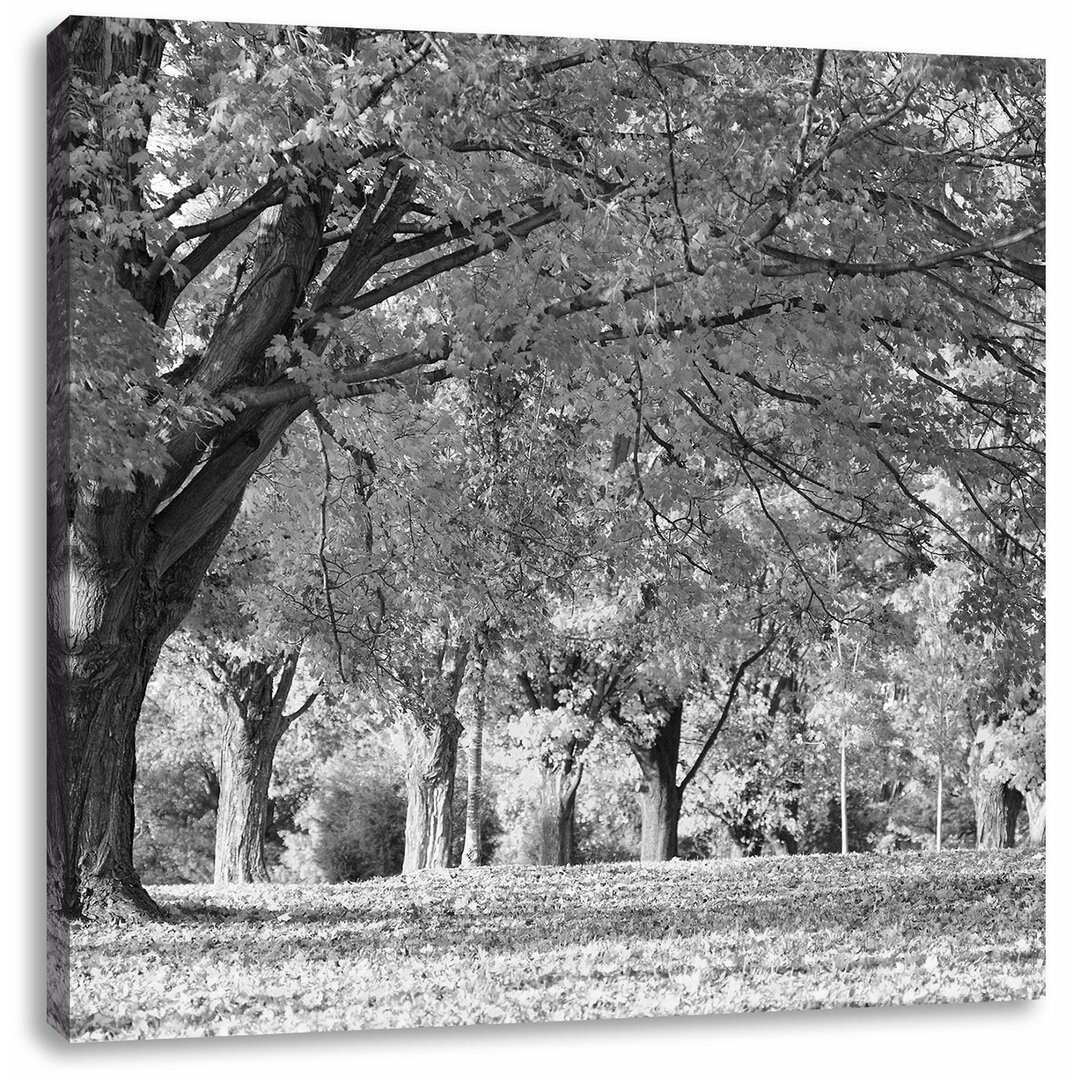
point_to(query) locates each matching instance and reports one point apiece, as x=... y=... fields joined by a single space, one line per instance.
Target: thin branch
x=288 y=718
x=549 y=67
x=808 y=116
x=732 y=690
x=184 y=195
x=803 y=264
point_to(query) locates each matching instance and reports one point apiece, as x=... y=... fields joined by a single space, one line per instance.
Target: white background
x=1032 y=1039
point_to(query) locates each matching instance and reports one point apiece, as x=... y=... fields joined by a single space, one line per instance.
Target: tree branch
x=803 y=264
x=732 y=691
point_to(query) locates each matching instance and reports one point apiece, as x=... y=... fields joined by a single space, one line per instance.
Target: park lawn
x=510 y=944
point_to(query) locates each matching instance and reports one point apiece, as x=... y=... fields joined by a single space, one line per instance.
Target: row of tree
x=902 y=722
x=606 y=371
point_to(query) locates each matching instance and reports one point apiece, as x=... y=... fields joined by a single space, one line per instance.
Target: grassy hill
x=510 y=944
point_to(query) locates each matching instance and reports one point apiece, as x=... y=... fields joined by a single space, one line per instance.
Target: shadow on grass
x=435 y=928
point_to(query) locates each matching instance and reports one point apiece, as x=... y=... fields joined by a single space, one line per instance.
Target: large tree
x=247 y=220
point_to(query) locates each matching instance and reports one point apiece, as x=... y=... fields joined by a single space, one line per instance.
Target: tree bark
x=119 y=616
x=470 y=855
x=843 y=795
x=940 y=801
x=560 y=776
x=996 y=804
x=1036 y=808
x=661 y=803
x=432 y=761
x=989 y=802
x=253 y=728
x=58 y=901
x=1014 y=803
x=661 y=797
x=246 y=762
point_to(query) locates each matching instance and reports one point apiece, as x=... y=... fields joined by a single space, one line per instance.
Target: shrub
x=352 y=827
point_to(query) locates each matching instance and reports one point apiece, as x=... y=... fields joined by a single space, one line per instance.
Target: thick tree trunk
x=661 y=799
x=433 y=744
x=118 y=616
x=108 y=682
x=989 y=801
x=246 y=762
x=560 y=776
x=1036 y=808
x=1014 y=803
x=996 y=804
x=58 y=901
x=661 y=802
x=253 y=729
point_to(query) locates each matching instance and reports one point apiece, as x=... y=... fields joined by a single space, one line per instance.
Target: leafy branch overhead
x=656 y=192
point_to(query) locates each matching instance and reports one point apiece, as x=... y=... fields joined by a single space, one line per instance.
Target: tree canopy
x=556 y=311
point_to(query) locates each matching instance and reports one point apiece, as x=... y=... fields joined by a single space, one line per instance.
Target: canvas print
x=538 y=529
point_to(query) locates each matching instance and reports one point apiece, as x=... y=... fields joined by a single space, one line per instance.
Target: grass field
x=509 y=944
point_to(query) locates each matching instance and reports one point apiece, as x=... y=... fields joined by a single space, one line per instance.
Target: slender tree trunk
x=795 y=771
x=470 y=855
x=560 y=776
x=661 y=799
x=843 y=795
x=940 y=793
x=433 y=743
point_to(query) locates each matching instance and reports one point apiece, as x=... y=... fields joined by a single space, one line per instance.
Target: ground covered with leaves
x=512 y=944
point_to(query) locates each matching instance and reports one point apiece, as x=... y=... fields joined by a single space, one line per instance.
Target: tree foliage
x=483 y=326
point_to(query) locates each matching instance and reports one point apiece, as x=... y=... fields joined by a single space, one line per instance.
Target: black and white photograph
x=540 y=527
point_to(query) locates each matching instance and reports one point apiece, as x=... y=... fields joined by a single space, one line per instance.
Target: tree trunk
x=560 y=776
x=940 y=800
x=433 y=743
x=118 y=616
x=253 y=728
x=661 y=802
x=989 y=796
x=559 y=780
x=843 y=795
x=661 y=799
x=470 y=855
x=1014 y=803
x=795 y=772
x=103 y=713
x=1036 y=808
x=989 y=801
x=245 y=765
x=58 y=900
